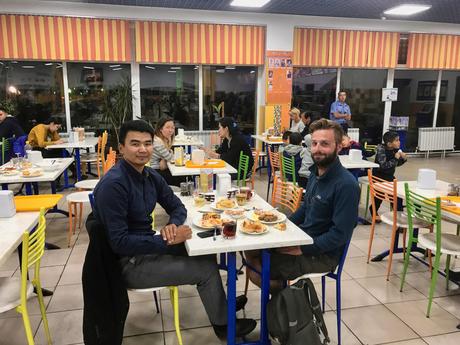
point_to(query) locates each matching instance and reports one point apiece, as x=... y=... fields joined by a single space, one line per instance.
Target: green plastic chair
x=429 y=210
x=243 y=166
x=288 y=168
x=5 y=148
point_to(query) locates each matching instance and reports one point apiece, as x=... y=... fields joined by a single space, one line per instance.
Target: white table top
x=362 y=164
x=61 y=165
x=11 y=230
x=89 y=142
x=264 y=139
x=184 y=171
x=292 y=236
x=185 y=141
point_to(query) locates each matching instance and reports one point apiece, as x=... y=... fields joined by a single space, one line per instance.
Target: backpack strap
x=310 y=291
x=291 y=308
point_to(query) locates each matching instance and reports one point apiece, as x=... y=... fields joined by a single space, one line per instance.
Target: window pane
x=313 y=89
x=236 y=88
x=416 y=97
x=449 y=103
x=35 y=89
x=170 y=91
x=99 y=94
x=364 y=96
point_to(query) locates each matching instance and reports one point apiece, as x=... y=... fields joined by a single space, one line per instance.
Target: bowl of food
x=252 y=227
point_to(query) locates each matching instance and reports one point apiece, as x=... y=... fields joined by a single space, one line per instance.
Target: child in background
x=388 y=157
x=307 y=162
x=285 y=139
x=296 y=150
x=349 y=144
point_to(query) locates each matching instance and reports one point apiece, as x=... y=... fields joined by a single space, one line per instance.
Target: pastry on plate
x=267 y=216
x=251 y=227
x=281 y=226
x=225 y=203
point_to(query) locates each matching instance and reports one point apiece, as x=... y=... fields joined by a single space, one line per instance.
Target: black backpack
x=294 y=316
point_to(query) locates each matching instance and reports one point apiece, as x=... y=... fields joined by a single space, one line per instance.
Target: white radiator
x=209 y=138
x=436 y=138
x=353 y=133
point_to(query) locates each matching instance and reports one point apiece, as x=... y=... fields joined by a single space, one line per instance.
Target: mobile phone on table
x=208 y=233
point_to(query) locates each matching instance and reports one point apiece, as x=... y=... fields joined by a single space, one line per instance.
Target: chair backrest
x=104 y=139
x=243 y=166
x=33 y=247
x=110 y=161
x=5 y=150
x=274 y=160
x=427 y=210
x=286 y=194
x=288 y=168
x=255 y=155
x=368 y=147
x=98 y=155
x=383 y=190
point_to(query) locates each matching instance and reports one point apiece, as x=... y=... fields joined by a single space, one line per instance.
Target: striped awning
x=345 y=48
x=64 y=38
x=431 y=51
x=195 y=43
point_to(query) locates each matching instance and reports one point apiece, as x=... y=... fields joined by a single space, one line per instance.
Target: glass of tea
x=247 y=191
x=229 y=230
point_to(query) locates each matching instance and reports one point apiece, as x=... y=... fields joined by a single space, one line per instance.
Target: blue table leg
x=231 y=298
x=28 y=189
x=4 y=186
x=269 y=170
x=77 y=163
x=65 y=154
x=264 y=296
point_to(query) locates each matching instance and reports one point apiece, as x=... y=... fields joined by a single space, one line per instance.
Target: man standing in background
x=340 y=111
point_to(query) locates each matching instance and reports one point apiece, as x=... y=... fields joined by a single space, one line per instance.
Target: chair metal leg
x=338 y=298
x=69 y=233
x=174 y=296
x=371 y=239
x=434 y=278
x=323 y=292
x=155 y=297
x=41 y=302
x=367 y=202
x=80 y=215
x=394 y=233
x=447 y=270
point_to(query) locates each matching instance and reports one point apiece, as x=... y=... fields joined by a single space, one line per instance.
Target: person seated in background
x=9 y=126
x=296 y=123
x=285 y=139
x=45 y=134
x=124 y=200
x=297 y=151
x=305 y=116
x=349 y=144
x=162 y=150
x=307 y=162
x=388 y=156
x=233 y=143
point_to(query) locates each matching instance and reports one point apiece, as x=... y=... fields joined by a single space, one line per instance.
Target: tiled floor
x=374 y=310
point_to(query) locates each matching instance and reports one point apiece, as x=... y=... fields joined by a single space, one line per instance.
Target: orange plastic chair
x=286 y=194
x=387 y=192
x=275 y=164
x=255 y=155
x=110 y=161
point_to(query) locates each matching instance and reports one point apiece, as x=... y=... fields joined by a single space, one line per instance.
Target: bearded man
x=328 y=214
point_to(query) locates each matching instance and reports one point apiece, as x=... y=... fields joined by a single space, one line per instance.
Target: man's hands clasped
x=174 y=234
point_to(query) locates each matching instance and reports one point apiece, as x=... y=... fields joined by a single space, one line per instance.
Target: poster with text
x=278 y=77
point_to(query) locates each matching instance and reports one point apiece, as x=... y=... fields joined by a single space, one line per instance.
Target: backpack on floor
x=294 y=316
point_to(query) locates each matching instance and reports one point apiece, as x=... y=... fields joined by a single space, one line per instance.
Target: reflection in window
x=313 y=89
x=98 y=92
x=232 y=88
x=449 y=105
x=416 y=98
x=171 y=91
x=35 y=90
x=364 y=96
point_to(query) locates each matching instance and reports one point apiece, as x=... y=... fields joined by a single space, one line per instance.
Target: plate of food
x=9 y=172
x=253 y=227
x=224 y=204
x=208 y=220
x=235 y=213
x=266 y=217
x=31 y=173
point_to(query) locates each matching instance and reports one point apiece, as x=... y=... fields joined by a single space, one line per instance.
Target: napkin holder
x=180 y=132
x=355 y=155
x=198 y=157
x=74 y=137
x=426 y=179
x=8 y=208
x=34 y=157
x=223 y=184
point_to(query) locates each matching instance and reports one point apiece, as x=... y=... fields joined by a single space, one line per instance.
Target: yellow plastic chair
x=20 y=289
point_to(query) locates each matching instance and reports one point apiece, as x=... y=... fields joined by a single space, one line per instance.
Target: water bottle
x=27 y=148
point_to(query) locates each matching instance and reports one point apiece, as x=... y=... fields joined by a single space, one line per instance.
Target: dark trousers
x=177 y=268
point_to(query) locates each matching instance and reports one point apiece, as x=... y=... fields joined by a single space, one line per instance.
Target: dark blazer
x=105 y=296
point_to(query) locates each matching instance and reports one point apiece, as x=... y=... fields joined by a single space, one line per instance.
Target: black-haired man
x=124 y=201
x=9 y=126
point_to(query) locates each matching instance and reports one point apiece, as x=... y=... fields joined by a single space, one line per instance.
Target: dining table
x=187 y=142
x=266 y=241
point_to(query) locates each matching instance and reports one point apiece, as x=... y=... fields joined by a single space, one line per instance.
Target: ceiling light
x=113 y=66
x=230 y=67
x=249 y=3
x=220 y=70
x=12 y=89
x=117 y=69
x=48 y=64
x=26 y=66
x=88 y=67
x=252 y=72
x=150 y=67
x=172 y=71
x=176 y=67
x=407 y=9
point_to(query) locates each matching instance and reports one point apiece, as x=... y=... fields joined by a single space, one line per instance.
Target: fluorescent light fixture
x=252 y=71
x=176 y=67
x=220 y=70
x=117 y=69
x=172 y=71
x=28 y=67
x=88 y=67
x=48 y=64
x=113 y=66
x=249 y=3
x=150 y=67
x=12 y=89
x=230 y=67
x=407 y=9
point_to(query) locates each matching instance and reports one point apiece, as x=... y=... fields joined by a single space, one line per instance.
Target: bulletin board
x=279 y=75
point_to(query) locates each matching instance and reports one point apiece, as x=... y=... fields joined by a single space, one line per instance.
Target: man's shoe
x=243 y=327
x=241 y=302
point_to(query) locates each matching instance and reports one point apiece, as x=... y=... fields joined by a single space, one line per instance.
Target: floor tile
x=418 y=341
x=388 y=291
x=330 y=318
x=66 y=297
x=449 y=303
x=12 y=330
x=358 y=268
x=65 y=328
x=72 y=274
x=422 y=281
x=376 y=325
x=55 y=257
x=191 y=314
x=444 y=339
x=414 y=315
x=142 y=318
x=353 y=295
x=147 y=339
x=195 y=336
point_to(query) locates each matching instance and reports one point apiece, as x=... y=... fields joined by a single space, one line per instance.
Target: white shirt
x=297 y=127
